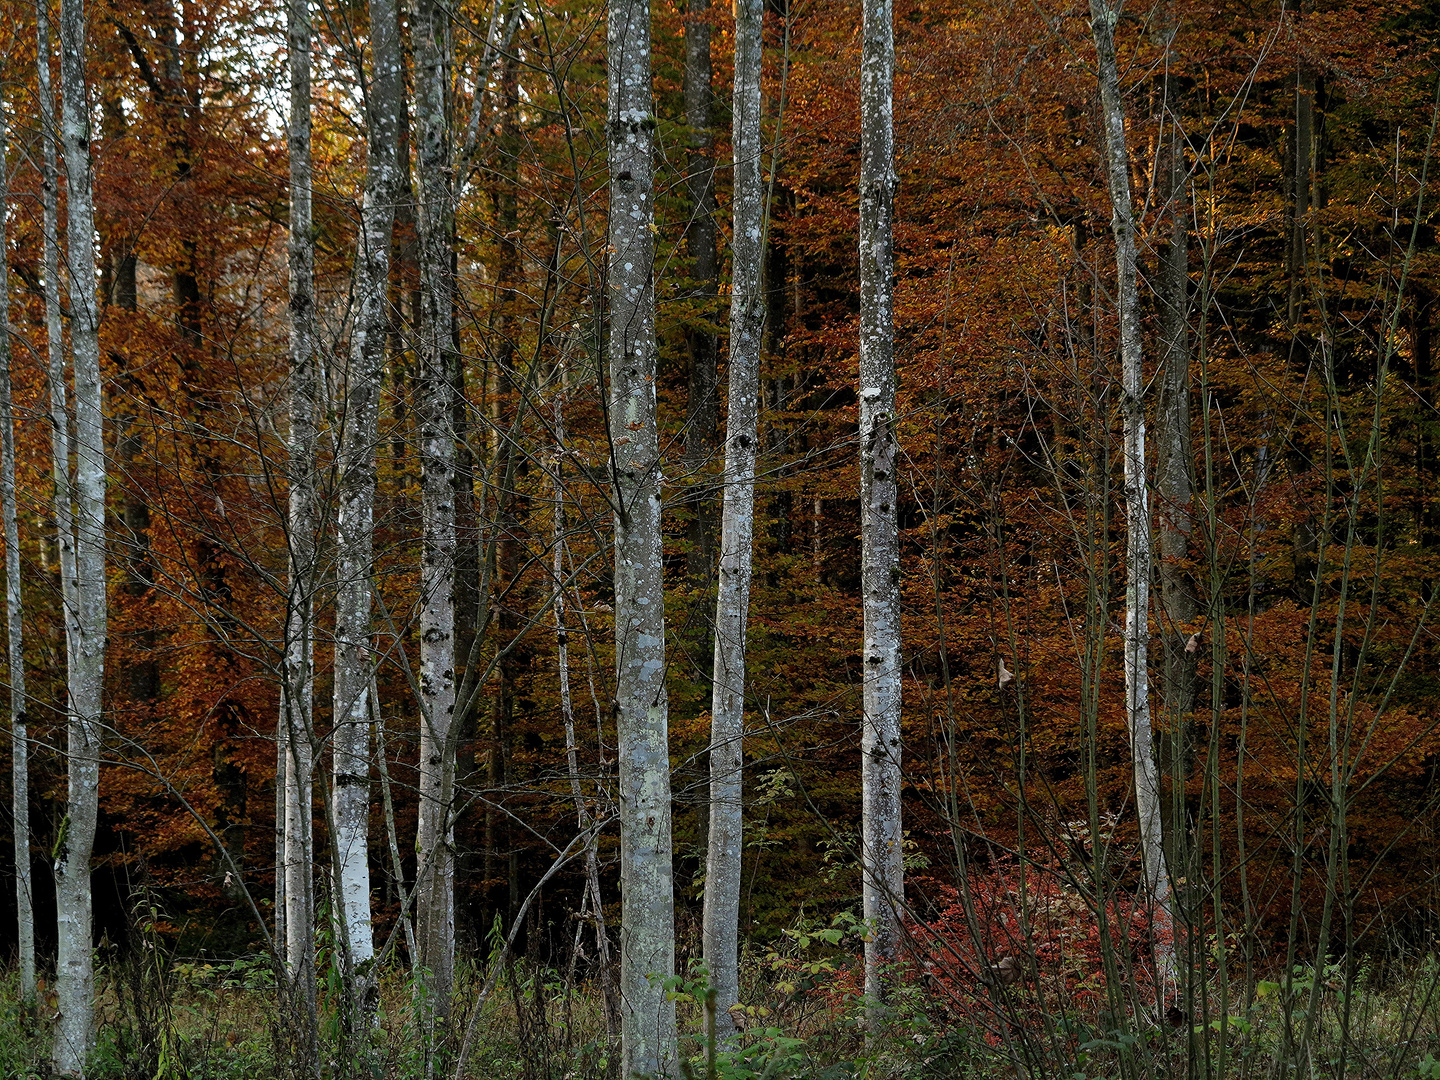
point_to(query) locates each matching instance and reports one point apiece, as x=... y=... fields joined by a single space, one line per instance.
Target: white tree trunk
x=1103 y=20
x=15 y=620
x=737 y=529
x=881 y=849
x=74 y=1034
x=294 y=736
x=354 y=531
x=55 y=342
x=647 y=951
x=435 y=402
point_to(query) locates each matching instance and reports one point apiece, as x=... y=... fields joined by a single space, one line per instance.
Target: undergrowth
x=170 y=1019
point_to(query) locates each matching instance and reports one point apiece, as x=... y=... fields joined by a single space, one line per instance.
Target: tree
x=14 y=616
x=354 y=530
x=737 y=529
x=1103 y=20
x=85 y=603
x=881 y=849
x=294 y=745
x=647 y=951
x=435 y=408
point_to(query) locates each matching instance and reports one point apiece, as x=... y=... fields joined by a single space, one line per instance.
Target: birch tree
x=85 y=600
x=354 y=531
x=294 y=747
x=435 y=408
x=14 y=617
x=1103 y=20
x=54 y=339
x=737 y=529
x=647 y=950
x=881 y=849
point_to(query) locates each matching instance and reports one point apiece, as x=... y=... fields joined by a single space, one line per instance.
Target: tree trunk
x=647 y=953
x=1103 y=20
x=506 y=567
x=1302 y=160
x=354 y=530
x=85 y=611
x=294 y=745
x=881 y=843
x=15 y=622
x=702 y=409
x=567 y=713
x=727 y=724
x=434 y=390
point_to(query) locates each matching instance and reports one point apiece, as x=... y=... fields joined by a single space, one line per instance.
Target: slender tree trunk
x=1103 y=19
x=702 y=410
x=509 y=502
x=1302 y=161
x=354 y=532
x=647 y=952
x=881 y=850
x=434 y=391
x=15 y=620
x=55 y=343
x=74 y=1034
x=737 y=529
x=567 y=712
x=294 y=746
x=63 y=500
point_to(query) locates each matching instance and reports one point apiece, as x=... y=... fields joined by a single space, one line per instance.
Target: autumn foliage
x=1303 y=770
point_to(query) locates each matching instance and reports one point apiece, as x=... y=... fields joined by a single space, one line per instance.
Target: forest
x=794 y=538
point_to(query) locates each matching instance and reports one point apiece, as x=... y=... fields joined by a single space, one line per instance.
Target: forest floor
x=180 y=1020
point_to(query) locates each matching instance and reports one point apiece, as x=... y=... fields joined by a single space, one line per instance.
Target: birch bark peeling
x=647 y=950
x=85 y=610
x=881 y=851
x=1103 y=19
x=14 y=621
x=294 y=751
x=737 y=529
x=354 y=532
x=435 y=409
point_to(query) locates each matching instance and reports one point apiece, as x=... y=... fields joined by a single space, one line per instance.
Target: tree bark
x=1103 y=19
x=647 y=954
x=85 y=611
x=354 y=533
x=294 y=745
x=15 y=621
x=737 y=530
x=702 y=409
x=434 y=390
x=881 y=841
